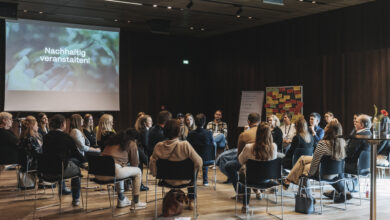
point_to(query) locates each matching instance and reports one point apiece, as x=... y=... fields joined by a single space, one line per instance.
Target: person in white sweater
x=82 y=143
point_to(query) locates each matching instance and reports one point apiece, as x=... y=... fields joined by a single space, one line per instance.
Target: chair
x=51 y=169
x=183 y=170
x=330 y=167
x=10 y=158
x=363 y=169
x=301 y=152
x=103 y=166
x=260 y=175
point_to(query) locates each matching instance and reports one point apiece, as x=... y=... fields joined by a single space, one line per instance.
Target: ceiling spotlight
x=41 y=12
x=191 y=28
x=154 y=6
x=202 y=29
x=238 y=13
x=250 y=17
x=169 y=7
x=190 y=4
x=128 y=21
x=25 y=11
x=116 y=20
x=313 y=2
x=301 y=0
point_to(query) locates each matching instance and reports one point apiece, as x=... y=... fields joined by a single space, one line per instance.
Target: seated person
x=315 y=130
x=156 y=133
x=263 y=149
x=355 y=146
x=88 y=130
x=202 y=141
x=219 y=130
x=353 y=132
x=288 y=130
x=330 y=145
x=82 y=143
x=43 y=124
x=123 y=148
x=189 y=124
x=142 y=126
x=57 y=143
x=30 y=143
x=8 y=140
x=384 y=146
x=328 y=117
x=175 y=150
x=277 y=134
x=105 y=130
x=183 y=129
x=302 y=139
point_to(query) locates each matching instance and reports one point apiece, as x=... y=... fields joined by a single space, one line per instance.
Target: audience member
x=331 y=145
x=202 y=141
x=384 y=146
x=353 y=132
x=189 y=124
x=8 y=140
x=156 y=133
x=328 y=117
x=123 y=148
x=82 y=143
x=175 y=150
x=43 y=124
x=277 y=134
x=57 y=143
x=30 y=144
x=88 y=130
x=219 y=130
x=356 y=146
x=143 y=125
x=183 y=129
x=288 y=130
x=263 y=149
x=314 y=128
x=104 y=130
x=302 y=139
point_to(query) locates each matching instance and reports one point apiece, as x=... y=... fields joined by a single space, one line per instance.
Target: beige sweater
x=183 y=150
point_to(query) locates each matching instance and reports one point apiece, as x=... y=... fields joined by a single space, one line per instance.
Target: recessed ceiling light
x=128 y=21
x=116 y=20
x=154 y=6
x=313 y=2
x=191 y=28
x=123 y=2
x=25 y=11
x=41 y=12
x=238 y=16
x=169 y=7
x=202 y=29
x=250 y=17
x=301 y=0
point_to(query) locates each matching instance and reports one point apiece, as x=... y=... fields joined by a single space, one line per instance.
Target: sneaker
x=144 y=188
x=329 y=194
x=205 y=183
x=66 y=191
x=123 y=203
x=341 y=198
x=244 y=209
x=139 y=205
x=76 y=202
x=45 y=185
x=259 y=195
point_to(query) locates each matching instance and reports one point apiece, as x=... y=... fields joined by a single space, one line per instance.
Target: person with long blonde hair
x=263 y=150
x=277 y=134
x=302 y=139
x=82 y=143
x=104 y=130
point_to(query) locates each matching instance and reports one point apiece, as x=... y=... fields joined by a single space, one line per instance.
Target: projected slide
x=57 y=62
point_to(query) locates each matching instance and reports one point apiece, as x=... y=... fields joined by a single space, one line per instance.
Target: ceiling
x=204 y=18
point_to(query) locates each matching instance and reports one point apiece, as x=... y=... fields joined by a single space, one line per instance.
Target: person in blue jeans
x=219 y=130
x=202 y=142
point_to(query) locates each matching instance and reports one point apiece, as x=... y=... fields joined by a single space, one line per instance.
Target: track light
x=238 y=13
x=190 y=4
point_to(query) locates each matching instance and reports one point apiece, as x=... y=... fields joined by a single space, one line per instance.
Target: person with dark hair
x=314 y=128
x=143 y=125
x=88 y=130
x=43 y=124
x=82 y=143
x=57 y=143
x=219 y=130
x=288 y=130
x=302 y=139
x=328 y=117
x=331 y=145
x=156 y=133
x=246 y=137
x=175 y=150
x=356 y=146
x=263 y=149
x=183 y=132
x=202 y=141
x=123 y=148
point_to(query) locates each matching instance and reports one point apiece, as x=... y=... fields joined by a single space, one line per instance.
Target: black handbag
x=303 y=203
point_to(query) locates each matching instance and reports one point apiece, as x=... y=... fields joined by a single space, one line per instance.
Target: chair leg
x=235 y=204
x=345 y=195
x=281 y=198
x=113 y=199
x=360 y=194
x=321 y=189
x=155 y=199
x=147 y=174
x=86 y=196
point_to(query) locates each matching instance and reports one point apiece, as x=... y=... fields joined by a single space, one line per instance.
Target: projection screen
x=56 y=67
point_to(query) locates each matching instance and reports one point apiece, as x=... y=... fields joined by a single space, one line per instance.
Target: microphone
x=19 y=119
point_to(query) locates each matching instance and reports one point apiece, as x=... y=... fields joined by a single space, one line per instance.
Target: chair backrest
x=175 y=170
x=329 y=166
x=51 y=165
x=258 y=171
x=300 y=152
x=101 y=165
x=363 y=164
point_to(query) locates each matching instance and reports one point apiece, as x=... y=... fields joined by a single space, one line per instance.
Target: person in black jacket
x=156 y=133
x=203 y=143
x=59 y=144
x=355 y=146
x=277 y=134
x=142 y=126
x=8 y=140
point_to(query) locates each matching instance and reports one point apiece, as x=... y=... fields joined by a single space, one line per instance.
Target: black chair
x=176 y=170
x=51 y=169
x=103 y=166
x=362 y=170
x=262 y=175
x=330 y=167
x=301 y=152
x=10 y=157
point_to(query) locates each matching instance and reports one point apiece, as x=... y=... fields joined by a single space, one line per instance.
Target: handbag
x=303 y=203
x=26 y=180
x=173 y=202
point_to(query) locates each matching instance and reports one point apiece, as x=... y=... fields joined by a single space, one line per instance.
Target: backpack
x=173 y=202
